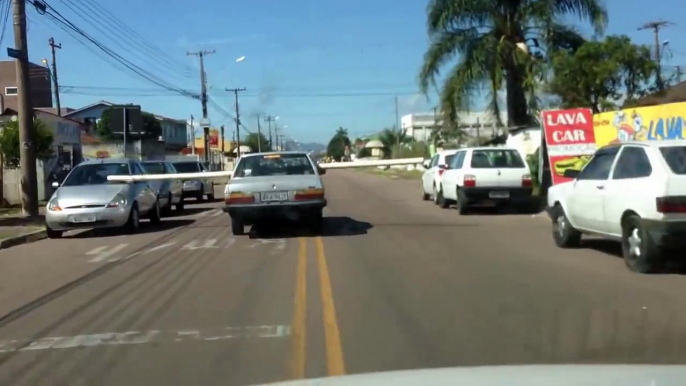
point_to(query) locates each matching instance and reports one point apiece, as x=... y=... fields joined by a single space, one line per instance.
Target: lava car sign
x=570 y=140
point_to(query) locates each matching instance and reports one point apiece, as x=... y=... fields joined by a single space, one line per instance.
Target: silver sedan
x=269 y=186
x=87 y=200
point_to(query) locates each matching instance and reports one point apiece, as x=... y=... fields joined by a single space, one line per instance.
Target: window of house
x=11 y=91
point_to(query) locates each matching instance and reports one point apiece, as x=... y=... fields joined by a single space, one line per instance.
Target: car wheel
x=133 y=224
x=179 y=206
x=564 y=234
x=237 y=227
x=52 y=234
x=640 y=252
x=210 y=196
x=435 y=195
x=168 y=208
x=461 y=202
x=425 y=196
x=156 y=213
x=443 y=203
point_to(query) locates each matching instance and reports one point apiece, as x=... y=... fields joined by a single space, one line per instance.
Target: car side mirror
x=55 y=184
x=427 y=164
x=571 y=173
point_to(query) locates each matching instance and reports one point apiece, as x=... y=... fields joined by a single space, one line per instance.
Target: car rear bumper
x=666 y=233
x=290 y=210
x=483 y=194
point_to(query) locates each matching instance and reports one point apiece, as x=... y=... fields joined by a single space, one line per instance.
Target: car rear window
x=274 y=165
x=96 y=174
x=482 y=159
x=675 y=156
x=187 y=167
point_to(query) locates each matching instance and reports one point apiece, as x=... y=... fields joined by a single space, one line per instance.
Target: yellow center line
x=334 y=351
x=299 y=314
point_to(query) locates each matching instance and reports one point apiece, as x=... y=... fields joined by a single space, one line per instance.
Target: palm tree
x=490 y=37
x=392 y=138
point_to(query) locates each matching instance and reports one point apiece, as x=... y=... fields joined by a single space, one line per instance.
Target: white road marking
x=204 y=213
x=157 y=248
x=103 y=253
x=153 y=336
x=193 y=245
x=278 y=248
x=217 y=213
x=229 y=242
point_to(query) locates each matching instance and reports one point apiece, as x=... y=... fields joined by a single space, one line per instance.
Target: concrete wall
x=12 y=184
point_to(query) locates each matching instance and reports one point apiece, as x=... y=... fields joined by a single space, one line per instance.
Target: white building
x=526 y=140
x=419 y=126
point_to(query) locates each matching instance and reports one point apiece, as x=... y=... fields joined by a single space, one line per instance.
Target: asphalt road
x=393 y=283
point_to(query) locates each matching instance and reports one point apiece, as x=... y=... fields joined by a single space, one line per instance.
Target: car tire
x=133 y=224
x=210 y=197
x=640 y=253
x=564 y=234
x=461 y=203
x=443 y=203
x=435 y=194
x=156 y=213
x=425 y=196
x=317 y=221
x=168 y=208
x=53 y=234
x=179 y=206
x=237 y=227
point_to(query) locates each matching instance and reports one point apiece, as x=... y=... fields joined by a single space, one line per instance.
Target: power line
x=656 y=26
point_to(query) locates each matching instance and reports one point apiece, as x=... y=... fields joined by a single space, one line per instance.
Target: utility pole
x=269 y=119
x=679 y=74
x=203 y=99
x=54 y=74
x=397 y=123
x=27 y=148
x=238 y=119
x=276 y=135
x=192 y=136
x=222 y=157
x=655 y=26
x=259 y=135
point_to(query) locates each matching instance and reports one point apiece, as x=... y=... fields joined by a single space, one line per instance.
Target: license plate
x=83 y=218
x=499 y=194
x=274 y=196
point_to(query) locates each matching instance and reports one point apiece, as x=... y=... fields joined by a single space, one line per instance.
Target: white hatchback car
x=434 y=168
x=486 y=176
x=633 y=192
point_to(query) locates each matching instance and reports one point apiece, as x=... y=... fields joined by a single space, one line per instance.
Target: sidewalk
x=14 y=228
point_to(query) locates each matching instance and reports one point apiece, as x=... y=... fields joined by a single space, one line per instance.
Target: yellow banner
x=653 y=123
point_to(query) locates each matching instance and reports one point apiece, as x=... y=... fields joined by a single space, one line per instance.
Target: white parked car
x=633 y=192
x=486 y=176
x=434 y=168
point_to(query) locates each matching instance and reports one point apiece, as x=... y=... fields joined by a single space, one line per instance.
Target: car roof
x=101 y=161
x=658 y=143
x=185 y=162
x=274 y=152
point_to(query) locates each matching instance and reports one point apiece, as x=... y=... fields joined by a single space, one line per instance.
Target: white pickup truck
x=634 y=192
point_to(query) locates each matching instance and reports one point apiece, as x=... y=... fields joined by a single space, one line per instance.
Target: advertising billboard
x=654 y=123
x=570 y=140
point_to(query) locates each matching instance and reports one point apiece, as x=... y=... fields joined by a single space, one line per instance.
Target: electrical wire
x=4 y=17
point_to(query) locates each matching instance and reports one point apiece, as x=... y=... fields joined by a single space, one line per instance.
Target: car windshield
x=187 y=167
x=154 y=167
x=482 y=159
x=274 y=165
x=96 y=174
x=675 y=156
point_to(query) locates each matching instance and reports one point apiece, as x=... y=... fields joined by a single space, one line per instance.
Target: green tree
x=253 y=140
x=488 y=36
x=337 y=144
x=599 y=73
x=9 y=143
x=151 y=126
x=391 y=140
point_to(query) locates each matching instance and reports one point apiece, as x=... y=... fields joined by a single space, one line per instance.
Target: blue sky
x=297 y=52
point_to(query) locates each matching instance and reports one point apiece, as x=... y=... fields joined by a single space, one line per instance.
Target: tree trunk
x=517 y=110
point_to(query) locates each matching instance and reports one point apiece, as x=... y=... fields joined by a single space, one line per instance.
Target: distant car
x=278 y=185
x=170 y=192
x=491 y=176
x=197 y=187
x=86 y=199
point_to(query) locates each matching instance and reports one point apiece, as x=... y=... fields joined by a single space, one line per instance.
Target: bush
x=410 y=150
x=532 y=160
x=9 y=143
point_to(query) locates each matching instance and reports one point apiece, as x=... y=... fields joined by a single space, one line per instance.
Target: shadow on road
x=333 y=227
x=186 y=212
x=145 y=227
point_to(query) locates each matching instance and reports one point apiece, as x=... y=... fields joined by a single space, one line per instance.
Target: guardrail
x=333 y=165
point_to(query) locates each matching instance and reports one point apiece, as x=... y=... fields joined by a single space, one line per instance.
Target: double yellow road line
x=334 y=352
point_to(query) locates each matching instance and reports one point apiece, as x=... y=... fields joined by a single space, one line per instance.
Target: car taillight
x=469 y=181
x=309 y=194
x=441 y=171
x=674 y=204
x=526 y=181
x=239 y=198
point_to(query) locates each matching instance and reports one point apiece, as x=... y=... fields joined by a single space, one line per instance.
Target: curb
x=23 y=239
